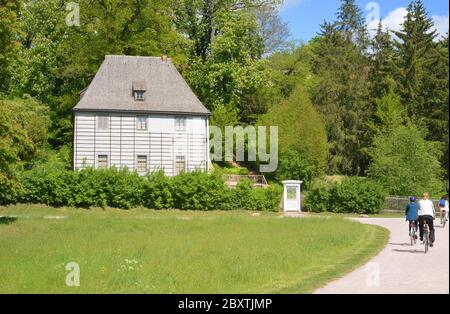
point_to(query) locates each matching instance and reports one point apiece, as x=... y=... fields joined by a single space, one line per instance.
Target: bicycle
x=443 y=218
x=426 y=237
x=413 y=232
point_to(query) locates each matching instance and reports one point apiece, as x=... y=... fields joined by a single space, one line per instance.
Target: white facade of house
x=164 y=144
x=165 y=130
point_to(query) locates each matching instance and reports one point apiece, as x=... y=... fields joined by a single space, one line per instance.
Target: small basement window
x=102 y=161
x=139 y=95
x=142 y=163
x=180 y=166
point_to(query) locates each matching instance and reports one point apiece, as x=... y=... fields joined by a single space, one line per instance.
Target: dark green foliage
x=10 y=188
x=351 y=22
x=301 y=128
x=341 y=95
x=321 y=94
x=197 y=191
x=56 y=186
x=352 y=195
x=405 y=163
x=357 y=195
x=248 y=198
x=317 y=200
x=23 y=133
x=59 y=187
x=293 y=166
x=158 y=192
x=422 y=64
x=9 y=29
x=233 y=70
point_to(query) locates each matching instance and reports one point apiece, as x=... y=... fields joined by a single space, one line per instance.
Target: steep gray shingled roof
x=166 y=90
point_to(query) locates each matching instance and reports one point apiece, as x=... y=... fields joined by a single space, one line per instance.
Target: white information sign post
x=292 y=196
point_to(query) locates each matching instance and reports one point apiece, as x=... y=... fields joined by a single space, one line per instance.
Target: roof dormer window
x=139 y=90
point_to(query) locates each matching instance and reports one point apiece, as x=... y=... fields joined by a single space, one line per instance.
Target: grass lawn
x=142 y=251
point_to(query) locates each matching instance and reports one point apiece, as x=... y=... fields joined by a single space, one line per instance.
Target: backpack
x=442 y=203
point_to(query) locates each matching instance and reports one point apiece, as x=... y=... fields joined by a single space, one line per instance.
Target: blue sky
x=305 y=16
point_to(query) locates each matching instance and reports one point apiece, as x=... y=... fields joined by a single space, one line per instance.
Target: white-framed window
x=180 y=124
x=103 y=122
x=142 y=164
x=141 y=123
x=102 y=162
x=180 y=165
x=139 y=95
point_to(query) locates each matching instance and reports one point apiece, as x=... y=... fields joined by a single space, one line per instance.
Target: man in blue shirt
x=412 y=213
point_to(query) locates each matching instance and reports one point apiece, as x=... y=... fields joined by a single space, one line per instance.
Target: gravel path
x=399 y=268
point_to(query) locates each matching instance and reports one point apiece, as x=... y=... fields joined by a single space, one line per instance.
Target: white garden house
x=139 y=113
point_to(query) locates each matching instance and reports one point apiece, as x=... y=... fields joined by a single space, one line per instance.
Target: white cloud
x=394 y=21
x=441 y=24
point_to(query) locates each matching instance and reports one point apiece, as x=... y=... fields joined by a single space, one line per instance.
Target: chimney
x=164 y=58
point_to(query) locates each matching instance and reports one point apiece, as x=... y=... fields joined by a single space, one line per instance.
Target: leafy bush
x=245 y=197
x=197 y=191
x=59 y=187
x=56 y=186
x=352 y=195
x=267 y=199
x=317 y=200
x=158 y=192
x=293 y=166
x=48 y=185
x=357 y=195
x=9 y=189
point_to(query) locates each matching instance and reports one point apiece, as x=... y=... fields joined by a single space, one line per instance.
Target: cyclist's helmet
x=413 y=198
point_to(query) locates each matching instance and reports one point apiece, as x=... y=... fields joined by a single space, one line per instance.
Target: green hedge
x=56 y=186
x=352 y=195
x=9 y=189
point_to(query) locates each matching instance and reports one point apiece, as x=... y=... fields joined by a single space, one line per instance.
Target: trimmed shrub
x=48 y=185
x=197 y=191
x=357 y=195
x=57 y=186
x=268 y=199
x=158 y=192
x=352 y=195
x=245 y=197
x=317 y=200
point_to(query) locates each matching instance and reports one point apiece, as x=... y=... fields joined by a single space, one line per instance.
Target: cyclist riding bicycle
x=443 y=207
x=427 y=213
x=411 y=213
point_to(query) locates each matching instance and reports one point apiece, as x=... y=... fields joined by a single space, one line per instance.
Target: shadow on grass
x=7 y=220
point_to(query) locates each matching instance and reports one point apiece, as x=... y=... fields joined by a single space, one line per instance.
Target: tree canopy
x=342 y=100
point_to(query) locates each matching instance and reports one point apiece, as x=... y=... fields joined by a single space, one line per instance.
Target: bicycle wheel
x=426 y=243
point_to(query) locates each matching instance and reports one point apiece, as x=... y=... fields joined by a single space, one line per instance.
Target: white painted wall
x=122 y=142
